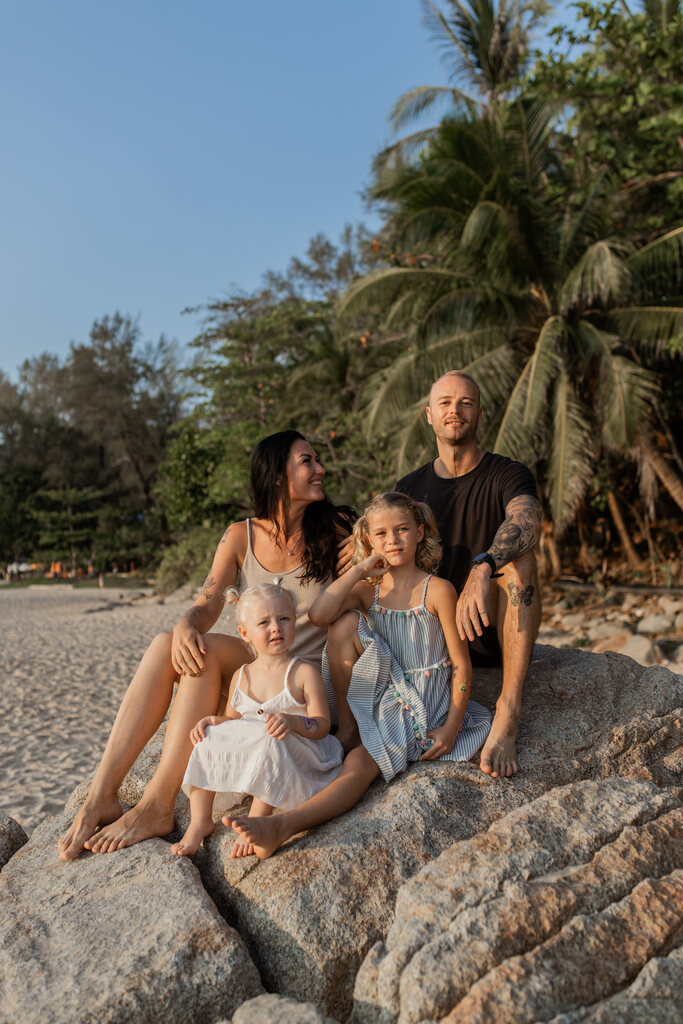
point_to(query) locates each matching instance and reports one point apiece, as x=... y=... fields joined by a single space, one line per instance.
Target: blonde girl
x=273 y=741
x=408 y=689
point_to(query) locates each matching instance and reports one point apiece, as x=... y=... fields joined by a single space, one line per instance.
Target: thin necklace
x=293 y=545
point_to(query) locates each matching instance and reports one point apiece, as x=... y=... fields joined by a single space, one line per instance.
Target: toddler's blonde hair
x=264 y=591
x=429 y=551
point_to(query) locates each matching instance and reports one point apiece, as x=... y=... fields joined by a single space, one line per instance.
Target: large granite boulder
x=557 y=908
x=310 y=914
x=274 y=1009
x=12 y=838
x=114 y=938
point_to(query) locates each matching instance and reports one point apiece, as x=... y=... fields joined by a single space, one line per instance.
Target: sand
x=68 y=655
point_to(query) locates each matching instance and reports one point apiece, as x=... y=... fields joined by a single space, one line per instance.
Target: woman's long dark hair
x=324 y=524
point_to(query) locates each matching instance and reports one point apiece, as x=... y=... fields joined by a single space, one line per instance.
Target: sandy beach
x=67 y=656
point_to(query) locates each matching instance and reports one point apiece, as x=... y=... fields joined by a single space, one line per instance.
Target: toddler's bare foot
x=499 y=756
x=85 y=824
x=144 y=821
x=192 y=839
x=242 y=848
x=264 y=834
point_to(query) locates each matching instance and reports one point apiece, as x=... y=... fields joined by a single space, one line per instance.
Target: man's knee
x=343 y=631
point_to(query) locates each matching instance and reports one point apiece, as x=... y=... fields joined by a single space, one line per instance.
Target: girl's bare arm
x=348 y=591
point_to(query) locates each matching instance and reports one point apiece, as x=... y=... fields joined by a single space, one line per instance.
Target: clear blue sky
x=154 y=155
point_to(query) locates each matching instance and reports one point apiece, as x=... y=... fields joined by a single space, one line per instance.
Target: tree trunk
x=626 y=542
x=666 y=475
x=549 y=547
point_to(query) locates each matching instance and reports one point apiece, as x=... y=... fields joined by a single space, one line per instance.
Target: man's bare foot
x=241 y=848
x=85 y=824
x=192 y=839
x=264 y=834
x=499 y=756
x=144 y=821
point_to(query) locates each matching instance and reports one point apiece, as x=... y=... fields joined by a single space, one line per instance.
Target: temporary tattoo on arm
x=463 y=688
x=519 y=531
x=516 y=593
x=310 y=723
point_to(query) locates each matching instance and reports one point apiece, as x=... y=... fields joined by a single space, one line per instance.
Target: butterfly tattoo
x=517 y=594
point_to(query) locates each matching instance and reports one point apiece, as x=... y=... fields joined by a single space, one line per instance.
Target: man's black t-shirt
x=468 y=509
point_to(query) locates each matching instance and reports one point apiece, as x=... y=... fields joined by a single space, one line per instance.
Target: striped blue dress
x=401 y=688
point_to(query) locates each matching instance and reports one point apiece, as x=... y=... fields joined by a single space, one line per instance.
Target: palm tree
x=513 y=280
x=484 y=45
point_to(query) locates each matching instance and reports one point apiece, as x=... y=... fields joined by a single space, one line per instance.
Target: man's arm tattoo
x=519 y=531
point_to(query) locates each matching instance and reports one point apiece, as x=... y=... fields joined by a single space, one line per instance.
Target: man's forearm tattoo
x=519 y=530
x=309 y=723
x=518 y=595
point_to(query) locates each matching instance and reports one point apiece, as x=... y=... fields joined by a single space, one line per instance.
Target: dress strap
x=237 y=685
x=424 y=590
x=286 y=683
x=375 y=599
x=249 y=551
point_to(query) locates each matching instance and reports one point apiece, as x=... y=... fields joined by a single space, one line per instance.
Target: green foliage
x=188 y=560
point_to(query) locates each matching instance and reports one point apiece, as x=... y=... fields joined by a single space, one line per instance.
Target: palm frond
x=600 y=277
x=655 y=328
x=411 y=104
x=660 y=264
x=587 y=223
x=381 y=286
x=542 y=365
x=403 y=149
x=570 y=465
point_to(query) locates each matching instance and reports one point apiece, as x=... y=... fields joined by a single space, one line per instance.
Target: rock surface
x=12 y=838
x=310 y=914
x=559 y=906
x=274 y=1009
x=127 y=937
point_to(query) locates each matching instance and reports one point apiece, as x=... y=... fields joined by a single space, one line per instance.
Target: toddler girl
x=273 y=741
x=409 y=687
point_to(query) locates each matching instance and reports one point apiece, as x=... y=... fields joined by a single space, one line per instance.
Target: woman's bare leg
x=266 y=834
x=242 y=847
x=197 y=696
x=141 y=713
x=201 y=822
x=343 y=651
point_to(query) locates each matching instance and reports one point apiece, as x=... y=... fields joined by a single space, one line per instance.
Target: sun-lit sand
x=67 y=657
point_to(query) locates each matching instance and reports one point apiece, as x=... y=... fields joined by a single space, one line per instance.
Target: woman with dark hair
x=294 y=538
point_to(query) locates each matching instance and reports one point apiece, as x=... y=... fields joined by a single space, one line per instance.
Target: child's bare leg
x=266 y=834
x=201 y=822
x=343 y=651
x=141 y=713
x=242 y=847
x=197 y=696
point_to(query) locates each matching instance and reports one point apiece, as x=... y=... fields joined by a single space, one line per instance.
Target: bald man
x=489 y=518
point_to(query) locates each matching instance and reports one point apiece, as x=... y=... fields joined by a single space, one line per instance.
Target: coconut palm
x=512 y=281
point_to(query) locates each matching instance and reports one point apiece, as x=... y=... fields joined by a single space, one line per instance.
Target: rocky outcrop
x=118 y=938
x=310 y=914
x=12 y=838
x=557 y=907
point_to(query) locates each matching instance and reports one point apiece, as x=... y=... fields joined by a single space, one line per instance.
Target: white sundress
x=239 y=756
x=401 y=688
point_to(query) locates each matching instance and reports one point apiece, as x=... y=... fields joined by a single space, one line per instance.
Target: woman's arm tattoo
x=519 y=531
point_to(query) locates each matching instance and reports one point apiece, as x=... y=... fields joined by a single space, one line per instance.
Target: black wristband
x=486 y=559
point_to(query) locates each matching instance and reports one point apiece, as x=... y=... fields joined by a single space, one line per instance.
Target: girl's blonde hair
x=428 y=553
x=264 y=591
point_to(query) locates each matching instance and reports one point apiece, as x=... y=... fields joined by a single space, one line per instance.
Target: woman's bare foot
x=85 y=824
x=241 y=848
x=499 y=756
x=264 y=834
x=144 y=821
x=192 y=839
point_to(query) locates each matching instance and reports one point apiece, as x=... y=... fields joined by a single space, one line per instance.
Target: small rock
x=573 y=620
x=275 y=1009
x=655 y=625
x=12 y=838
x=640 y=648
x=678 y=623
x=670 y=605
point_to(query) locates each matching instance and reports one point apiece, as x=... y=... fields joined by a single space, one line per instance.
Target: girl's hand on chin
x=375 y=565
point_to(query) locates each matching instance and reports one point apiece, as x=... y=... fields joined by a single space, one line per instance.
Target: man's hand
x=345 y=549
x=470 y=613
